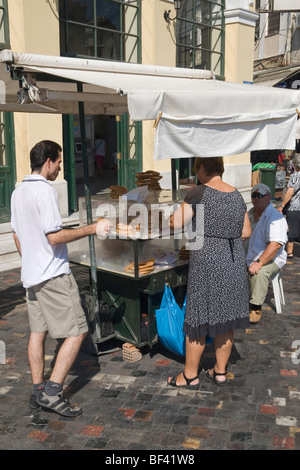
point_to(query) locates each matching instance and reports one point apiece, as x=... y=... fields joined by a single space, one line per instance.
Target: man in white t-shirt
x=52 y=294
x=266 y=254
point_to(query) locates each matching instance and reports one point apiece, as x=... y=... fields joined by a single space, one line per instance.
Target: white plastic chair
x=278 y=291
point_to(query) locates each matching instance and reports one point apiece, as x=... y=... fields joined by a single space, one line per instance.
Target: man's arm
x=63 y=236
x=70 y=235
x=265 y=257
x=17 y=243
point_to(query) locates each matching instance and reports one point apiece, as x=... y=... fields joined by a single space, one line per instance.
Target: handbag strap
x=98 y=145
x=290 y=200
x=295 y=193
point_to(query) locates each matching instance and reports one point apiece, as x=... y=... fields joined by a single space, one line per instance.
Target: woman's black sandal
x=188 y=382
x=213 y=377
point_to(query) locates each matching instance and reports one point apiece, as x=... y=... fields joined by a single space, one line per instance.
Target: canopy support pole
x=93 y=274
x=173 y=175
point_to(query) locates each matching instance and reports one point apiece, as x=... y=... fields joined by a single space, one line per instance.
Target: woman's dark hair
x=212 y=165
x=41 y=152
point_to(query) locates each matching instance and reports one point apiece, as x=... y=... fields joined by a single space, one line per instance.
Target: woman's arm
x=287 y=197
x=246 y=232
x=183 y=215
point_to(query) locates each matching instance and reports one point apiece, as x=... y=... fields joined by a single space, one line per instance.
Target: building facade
x=210 y=34
x=277 y=53
x=277 y=45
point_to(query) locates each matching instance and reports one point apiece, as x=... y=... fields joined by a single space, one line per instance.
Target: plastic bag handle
x=168 y=299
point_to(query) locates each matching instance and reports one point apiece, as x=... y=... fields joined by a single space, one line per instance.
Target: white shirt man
x=35 y=214
x=51 y=291
x=266 y=254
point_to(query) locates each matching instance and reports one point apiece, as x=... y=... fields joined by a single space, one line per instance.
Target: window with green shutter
x=106 y=29
x=200 y=35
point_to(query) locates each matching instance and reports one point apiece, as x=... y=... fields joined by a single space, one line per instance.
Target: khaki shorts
x=55 y=306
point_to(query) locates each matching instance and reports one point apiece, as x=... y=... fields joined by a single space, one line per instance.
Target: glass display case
x=140 y=255
x=135 y=258
x=140 y=241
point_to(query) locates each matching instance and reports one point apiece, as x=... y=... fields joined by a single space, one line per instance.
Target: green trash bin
x=268 y=177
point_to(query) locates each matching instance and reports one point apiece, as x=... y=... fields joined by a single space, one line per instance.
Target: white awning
x=274 y=76
x=195 y=114
x=106 y=85
x=286 y=5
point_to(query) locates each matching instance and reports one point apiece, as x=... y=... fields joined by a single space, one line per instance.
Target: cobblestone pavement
x=129 y=406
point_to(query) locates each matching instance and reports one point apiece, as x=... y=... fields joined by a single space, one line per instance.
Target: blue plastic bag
x=169 y=323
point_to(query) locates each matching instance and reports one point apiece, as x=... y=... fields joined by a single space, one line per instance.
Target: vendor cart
x=132 y=269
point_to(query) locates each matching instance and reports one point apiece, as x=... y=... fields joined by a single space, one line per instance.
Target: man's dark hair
x=41 y=152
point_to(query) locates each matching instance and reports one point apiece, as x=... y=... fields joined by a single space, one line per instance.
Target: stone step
x=7 y=244
x=9 y=256
x=9 y=265
x=5 y=236
x=5 y=228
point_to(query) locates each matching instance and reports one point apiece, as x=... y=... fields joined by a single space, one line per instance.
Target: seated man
x=266 y=254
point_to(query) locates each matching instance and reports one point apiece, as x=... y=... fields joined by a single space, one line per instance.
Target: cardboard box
x=255 y=177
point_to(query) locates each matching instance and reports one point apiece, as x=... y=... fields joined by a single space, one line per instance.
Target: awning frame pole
x=93 y=276
x=173 y=176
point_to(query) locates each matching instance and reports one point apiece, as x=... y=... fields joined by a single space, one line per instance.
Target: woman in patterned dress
x=217 y=288
x=292 y=195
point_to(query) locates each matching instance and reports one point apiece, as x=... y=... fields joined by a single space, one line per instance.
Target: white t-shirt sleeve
x=277 y=231
x=49 y=214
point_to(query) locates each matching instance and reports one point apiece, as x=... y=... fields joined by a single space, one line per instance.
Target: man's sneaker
x=255 y=316
x=59 y=404
x=33 y=404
